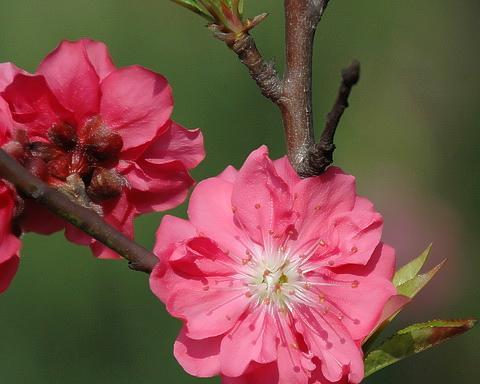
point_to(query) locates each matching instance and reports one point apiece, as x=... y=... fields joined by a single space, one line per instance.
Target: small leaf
x=193 y=5
x=410 y=270
x=414 y=339
x=411 y=287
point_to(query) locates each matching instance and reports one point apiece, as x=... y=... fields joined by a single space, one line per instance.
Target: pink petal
x=135 y=103
x=198 y=357
x=6 y=122
x=359 y=294
x=201 y=257
x=38 y=219
x=8 y=269
x=286 y=172
x=177 y=143
x=210 y=211
x=357 y=233
x=229 y=174
x=254 y=339
x=99 y=57
x=7 y=72
x=209 y=312
x=329 y=341
x=33 y=104
x=73 y=79
x=260 y=197
x=9 y=243
x=119 y=214
x=318 y=198
x=157 y=187
x=257 y=374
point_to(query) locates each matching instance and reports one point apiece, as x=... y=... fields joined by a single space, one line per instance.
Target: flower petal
x=260 y=197
x=99 y=57
x=177 y=143
x=198 y=357
x=135 y=103
x=33 y=104
x=254 y=339
x=157 y=187
x=73 y=79
x=210 y=211
x=7 y=72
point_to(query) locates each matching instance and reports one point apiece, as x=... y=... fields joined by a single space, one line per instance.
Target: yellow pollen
x=355 y=284
x=322 y=243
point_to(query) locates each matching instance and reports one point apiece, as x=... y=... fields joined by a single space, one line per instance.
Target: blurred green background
x=411 y=137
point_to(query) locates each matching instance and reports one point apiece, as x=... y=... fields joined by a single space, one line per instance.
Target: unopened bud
x=105 y=184
x=100 y=142
x=63 y=135
x=59 y=167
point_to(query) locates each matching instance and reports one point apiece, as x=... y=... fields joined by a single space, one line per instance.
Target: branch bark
x=293 y=93
x=140 y=259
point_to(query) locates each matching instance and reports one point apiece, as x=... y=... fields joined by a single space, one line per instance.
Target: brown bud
x=59 y=167
x=37 y=167
x=100 y=142
x=105 y=184
x=63 y=135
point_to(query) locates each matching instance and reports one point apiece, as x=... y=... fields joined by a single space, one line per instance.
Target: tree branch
x=293 y=94
x=140 y=259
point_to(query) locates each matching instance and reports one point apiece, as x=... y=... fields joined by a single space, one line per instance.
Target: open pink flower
x=101 y=134
x=277 y=278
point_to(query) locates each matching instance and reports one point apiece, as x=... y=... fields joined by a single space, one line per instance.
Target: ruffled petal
x=73 y=79
x=211 y=311
x=9 y=243
x=99 y=57
x=261 y=198
x=210 y=211
x=157 y=187
x=7 y=72
x=33 y=104
x=135 y=103
x=177 y=143
x=198 y=357
x=254 y=339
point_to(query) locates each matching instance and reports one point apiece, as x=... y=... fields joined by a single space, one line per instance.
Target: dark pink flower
x=277 y=278
x=103 y=135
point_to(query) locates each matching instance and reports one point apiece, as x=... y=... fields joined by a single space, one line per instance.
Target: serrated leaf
x=411 y=287
x=410 y=270
x=414 y=339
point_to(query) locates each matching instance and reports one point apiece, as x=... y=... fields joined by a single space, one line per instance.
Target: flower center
x=273 y=280
x=80 y=161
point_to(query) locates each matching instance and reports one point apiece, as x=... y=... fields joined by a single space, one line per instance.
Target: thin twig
x=140 y=259
x=325 y=147
x=293 y=93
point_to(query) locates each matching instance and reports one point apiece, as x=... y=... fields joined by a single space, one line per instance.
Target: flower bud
x=63 y=135
x=59 y=167
x=105 y=184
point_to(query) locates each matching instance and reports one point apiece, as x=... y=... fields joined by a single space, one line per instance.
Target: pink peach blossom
x=276 y=278
x=102 y=134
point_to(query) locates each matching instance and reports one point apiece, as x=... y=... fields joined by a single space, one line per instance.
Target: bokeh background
x=411 y=137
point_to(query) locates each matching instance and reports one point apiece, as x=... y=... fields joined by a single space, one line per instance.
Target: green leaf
x=414 y=339
x=411 y=287
x=410 y=270
x=195 y=6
